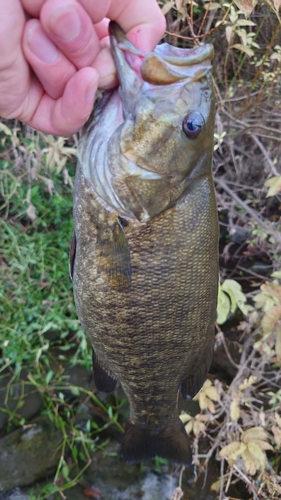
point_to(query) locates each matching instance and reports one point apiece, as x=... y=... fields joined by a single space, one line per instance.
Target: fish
x=144 y=255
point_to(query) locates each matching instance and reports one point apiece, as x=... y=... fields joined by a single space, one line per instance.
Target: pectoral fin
x=104 y=379
x=72 y=253
x=113 y=256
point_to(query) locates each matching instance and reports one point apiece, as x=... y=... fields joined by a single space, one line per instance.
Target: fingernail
x=41 y=46
x=91 y=92
x=66 y=24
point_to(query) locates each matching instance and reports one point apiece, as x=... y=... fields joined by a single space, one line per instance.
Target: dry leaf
x=232 y=451
x=234 y=409
x=185 y=417
x=250 y=463
x=216 y=485
x=168 y=6
x=273 y=289
x=278 y=419
x=246 y=6
x=211 y=391
x=254 y=433
x=206 y=396
x=179 y=4
x=247 y=382
x=276 y=4
x=277 y=435
x=256 y=452
x=194 y=424
x=278 y=342
x=274 y=183
x=198 y=427
x=251 y=448
x=270 y=319
x=5 y=129
x=243 y=48
x=212 y=6
x=229 y=33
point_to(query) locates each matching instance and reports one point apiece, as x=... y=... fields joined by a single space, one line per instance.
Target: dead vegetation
x=240 y=420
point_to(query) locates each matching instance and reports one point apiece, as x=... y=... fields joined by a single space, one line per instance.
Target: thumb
x=14 y=70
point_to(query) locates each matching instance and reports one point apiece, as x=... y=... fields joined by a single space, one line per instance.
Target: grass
x=36 y=291
x=39 y=329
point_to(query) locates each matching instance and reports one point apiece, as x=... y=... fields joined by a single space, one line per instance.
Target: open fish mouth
x=166 y=65
x=162 y=94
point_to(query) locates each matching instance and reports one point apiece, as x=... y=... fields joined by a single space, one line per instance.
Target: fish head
x=158 y=127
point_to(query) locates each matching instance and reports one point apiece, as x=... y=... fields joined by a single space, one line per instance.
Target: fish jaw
x=165 y=65
x=138 y=159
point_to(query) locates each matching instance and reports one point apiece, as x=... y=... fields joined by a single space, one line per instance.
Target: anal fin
x=104 y=379
x=191 y=384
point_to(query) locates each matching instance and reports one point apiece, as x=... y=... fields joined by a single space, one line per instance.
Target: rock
x=29 y=454
x=15 y=494
x=24 y=399
x=238 y=234
x=117 y=480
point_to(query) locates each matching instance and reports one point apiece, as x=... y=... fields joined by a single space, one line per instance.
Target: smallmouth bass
x=144 y=257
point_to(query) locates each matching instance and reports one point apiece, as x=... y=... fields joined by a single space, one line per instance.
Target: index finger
x=142 y=20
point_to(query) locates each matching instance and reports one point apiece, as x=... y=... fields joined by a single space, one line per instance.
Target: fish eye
x=192 y=124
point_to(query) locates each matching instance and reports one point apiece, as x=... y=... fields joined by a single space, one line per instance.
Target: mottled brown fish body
x=145 y=290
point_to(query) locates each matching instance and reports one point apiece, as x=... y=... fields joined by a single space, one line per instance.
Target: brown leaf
x=278 y=419
x=271 y=317
x=273 y=289
x=168 y=6
x=92 y=493
x=229 y=33
x=278 y=342
x=277 y=435
x=254 y=433
x=243 y=48
x=256 y=452
x=246 y=6
x=274 y=183
x=276 y=4
x=250 y=464
x=234 y=409
x=247 y=382
x=232 y=450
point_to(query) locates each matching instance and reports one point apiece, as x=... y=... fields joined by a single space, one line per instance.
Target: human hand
x=52 y=64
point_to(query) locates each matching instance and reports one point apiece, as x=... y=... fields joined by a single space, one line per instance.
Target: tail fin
x=142 y=442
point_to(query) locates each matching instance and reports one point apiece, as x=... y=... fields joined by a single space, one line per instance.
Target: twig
x=249 y=210
x=196 y=37
x=221 y=337
x=204 y=18
x=221 y=482
x=209 y=21
x=265 y=153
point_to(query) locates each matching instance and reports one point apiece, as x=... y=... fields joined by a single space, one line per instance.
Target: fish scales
x=145 y=278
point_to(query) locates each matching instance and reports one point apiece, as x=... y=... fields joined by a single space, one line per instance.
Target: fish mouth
x=166 y=65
